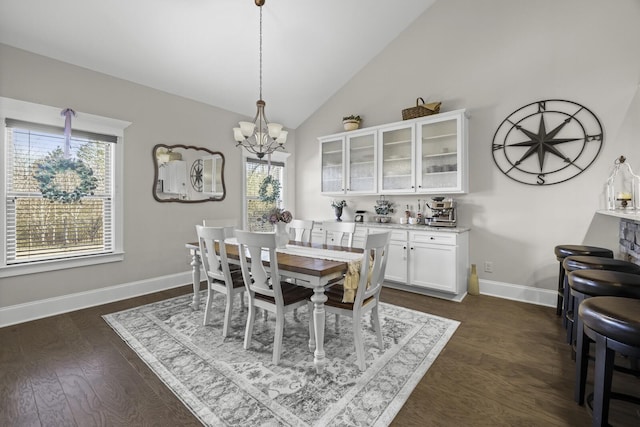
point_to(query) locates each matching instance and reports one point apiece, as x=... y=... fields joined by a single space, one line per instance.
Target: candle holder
x=623 y=187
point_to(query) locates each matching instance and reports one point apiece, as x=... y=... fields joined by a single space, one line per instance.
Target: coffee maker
x=443 y=212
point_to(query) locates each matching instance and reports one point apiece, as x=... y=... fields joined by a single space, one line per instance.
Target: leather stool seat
x=613 y=323
x=581 y=262
x=605 y=283
x=563 y=251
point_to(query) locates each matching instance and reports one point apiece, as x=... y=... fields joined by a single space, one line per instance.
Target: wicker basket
x=421 y=110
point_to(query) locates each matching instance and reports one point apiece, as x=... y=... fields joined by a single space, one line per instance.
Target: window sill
x=59 y=264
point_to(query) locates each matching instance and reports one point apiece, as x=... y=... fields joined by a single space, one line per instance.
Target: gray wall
x=154 y=233
x=492 y=57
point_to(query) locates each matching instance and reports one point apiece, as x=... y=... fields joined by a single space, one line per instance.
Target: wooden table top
x=302 y=264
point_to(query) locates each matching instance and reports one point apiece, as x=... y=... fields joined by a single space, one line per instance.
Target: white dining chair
x=300 y=230
x=267 y=290
x=334 y=233
x=367 y=298
x=220 y=277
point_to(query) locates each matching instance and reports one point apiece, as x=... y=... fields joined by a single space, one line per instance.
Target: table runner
x=351 y=277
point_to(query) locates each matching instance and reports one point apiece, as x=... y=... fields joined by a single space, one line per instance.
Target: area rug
x=223 y=384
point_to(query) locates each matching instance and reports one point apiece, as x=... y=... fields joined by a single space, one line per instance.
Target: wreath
x=55 y=163
x=269 y=190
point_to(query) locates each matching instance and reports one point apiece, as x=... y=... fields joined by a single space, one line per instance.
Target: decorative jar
x=623 y=187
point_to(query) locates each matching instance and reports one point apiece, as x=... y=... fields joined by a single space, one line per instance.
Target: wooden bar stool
x=594 y=283
x=613 y=323
x=563 y=251
x=580 y=262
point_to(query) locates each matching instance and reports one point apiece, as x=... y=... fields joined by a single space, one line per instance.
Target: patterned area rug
x=222 y=384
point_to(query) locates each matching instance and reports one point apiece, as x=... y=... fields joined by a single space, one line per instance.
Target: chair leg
x=249 y=330
x=375 y=320
x=312 y=331
x=560 y=290
x=603 y=373
x=582 y=364
x=277 y=341
x=207 y=308
x=357 y=340
x=227 y=314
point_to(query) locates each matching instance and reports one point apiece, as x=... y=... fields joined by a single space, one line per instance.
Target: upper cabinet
x=442 y=154
x=349 y=163
x=424 y=155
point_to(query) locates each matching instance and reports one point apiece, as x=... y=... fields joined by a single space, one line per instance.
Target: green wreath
x=269 y=190
x=54 y=164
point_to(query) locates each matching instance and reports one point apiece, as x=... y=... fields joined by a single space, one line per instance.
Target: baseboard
x=52 y=306
x=528 y=294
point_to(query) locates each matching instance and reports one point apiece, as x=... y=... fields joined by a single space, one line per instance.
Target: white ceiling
x=207 y=50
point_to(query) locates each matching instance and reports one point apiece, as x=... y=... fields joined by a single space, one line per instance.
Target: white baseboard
x=52 y=306
x=528 y=294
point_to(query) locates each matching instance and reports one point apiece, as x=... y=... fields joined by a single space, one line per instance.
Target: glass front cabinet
x=349 y=163
x=423 y=155
x=441 y=154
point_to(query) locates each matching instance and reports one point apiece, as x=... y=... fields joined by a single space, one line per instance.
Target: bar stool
x=585 y=284
x=579 y=262
x=563 y=251
x=613 y=323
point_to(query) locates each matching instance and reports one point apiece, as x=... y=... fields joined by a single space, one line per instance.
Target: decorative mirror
x=187 y=174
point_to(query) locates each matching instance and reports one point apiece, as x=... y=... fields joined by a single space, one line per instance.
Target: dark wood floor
x=506 y=365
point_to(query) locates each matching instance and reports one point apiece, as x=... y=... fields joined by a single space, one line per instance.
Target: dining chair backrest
x=335 y=232
x=300 y=230
x=373 y=266
x=251 y=247
x=215 y=264
x=230 y=224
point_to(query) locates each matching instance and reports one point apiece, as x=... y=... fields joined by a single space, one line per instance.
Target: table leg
x=195 y=275
x=318 y=300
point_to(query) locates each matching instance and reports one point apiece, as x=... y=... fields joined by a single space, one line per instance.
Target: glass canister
x=623 y=187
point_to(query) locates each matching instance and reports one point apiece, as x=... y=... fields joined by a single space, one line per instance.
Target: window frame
x=277 y=156
x=48 y=115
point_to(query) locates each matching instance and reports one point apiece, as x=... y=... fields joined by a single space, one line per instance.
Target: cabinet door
x=397 y=262
x=332 y=155
x=176 y=177
x=361 y=163
x=433 y=267
x=211 y=175
x=397 y=173
x=441 y=154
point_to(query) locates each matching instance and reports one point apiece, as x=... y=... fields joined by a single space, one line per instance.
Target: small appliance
x=443 y=212
x=359 y=217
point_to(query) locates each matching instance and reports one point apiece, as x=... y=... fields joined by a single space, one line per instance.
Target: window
x=62 y=210
x=254 y=173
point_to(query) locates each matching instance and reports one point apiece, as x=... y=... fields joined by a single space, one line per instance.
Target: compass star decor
x=547 y=142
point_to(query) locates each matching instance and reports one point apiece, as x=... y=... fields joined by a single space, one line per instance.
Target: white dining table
x=312 y=265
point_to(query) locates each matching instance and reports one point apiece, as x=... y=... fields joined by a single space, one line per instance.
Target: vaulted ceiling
x=208 y=50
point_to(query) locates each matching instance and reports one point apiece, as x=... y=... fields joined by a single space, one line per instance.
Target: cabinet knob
x=404 y=247
x=413 y=186
x=432 y=238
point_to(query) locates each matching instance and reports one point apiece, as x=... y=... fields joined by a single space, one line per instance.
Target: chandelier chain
x=260 y=52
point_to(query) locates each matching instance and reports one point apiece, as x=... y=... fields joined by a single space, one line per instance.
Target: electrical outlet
x=488 y=266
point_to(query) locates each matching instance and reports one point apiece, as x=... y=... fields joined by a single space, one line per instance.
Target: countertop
x=630 y=214
x=397 y=226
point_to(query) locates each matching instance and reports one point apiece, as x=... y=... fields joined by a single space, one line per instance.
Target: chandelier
x=260 y=137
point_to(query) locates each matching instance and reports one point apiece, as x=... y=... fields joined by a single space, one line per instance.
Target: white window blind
x=39 y=228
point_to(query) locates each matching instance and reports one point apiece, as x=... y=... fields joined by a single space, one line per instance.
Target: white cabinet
x=212 y=175
x=441 y=154
x=332 y=168
x=397 y=261
x=174 y=177
x=349 y=163
x=397 y=161
x=438 y=261
x=423 y=155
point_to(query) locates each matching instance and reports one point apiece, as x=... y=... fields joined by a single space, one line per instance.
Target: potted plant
x=351 y=122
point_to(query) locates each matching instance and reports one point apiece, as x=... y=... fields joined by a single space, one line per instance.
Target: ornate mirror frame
x=187 y=174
